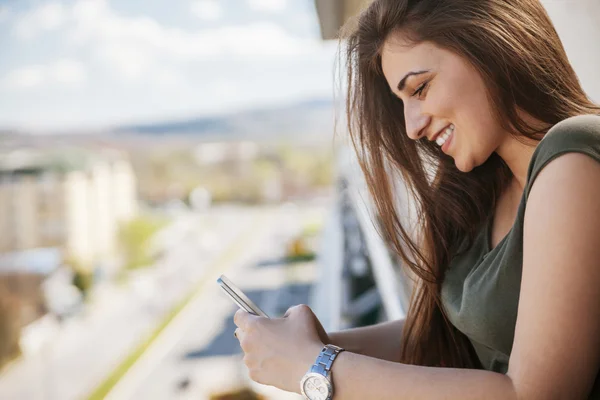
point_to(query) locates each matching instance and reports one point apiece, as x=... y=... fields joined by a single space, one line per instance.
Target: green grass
x=109 y=383
x=135 y=238
x=106 y=386
x=299 y=258
x=312 y=227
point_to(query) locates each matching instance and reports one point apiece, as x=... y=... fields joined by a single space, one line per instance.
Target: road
x=84 y=350
x=198 y=355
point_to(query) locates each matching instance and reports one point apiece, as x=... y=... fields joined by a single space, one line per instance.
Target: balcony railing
x=360 y=283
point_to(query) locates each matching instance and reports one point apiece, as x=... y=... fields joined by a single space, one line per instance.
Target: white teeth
x=445 y=135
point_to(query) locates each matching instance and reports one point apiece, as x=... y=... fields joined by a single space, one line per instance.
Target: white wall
x=578 y=25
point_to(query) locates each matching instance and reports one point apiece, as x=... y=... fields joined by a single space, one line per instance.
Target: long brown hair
x=515 y=48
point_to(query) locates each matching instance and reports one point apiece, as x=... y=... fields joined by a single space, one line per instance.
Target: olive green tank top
x=480 y=292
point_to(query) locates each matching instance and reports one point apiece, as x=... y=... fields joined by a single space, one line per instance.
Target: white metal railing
x=387 y=276
x=328 y=296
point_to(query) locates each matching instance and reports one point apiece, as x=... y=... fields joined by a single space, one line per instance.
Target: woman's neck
x=517 y=153
x=517 y=156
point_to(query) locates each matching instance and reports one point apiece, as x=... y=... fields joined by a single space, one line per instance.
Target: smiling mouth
x=444 y=135
x=440 y=132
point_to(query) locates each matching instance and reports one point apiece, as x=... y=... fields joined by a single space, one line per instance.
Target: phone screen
x=239 y=297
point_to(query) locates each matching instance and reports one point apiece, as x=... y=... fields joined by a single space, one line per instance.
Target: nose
x=415 y=120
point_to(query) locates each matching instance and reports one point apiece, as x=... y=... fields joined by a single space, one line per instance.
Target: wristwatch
x=317 y=383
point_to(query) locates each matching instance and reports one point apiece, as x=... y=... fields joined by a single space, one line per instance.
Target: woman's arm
x=379 y=341
x=556 y=352
x=359 y=377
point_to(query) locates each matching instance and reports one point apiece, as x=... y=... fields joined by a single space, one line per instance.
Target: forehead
x=399 y=57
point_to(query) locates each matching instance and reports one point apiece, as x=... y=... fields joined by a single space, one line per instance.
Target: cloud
x=25 y=77
x=64 y=71
x=136 y=48
x=46 y=17
x=140 y=48
x=95 y=22
x=5 y=13
x=144 y=68
x=268 y=5
x=207 y=10
x=68 y=71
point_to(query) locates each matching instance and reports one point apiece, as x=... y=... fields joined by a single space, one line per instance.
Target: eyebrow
x=402 y=82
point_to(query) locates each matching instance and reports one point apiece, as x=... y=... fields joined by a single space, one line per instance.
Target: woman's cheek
x=444 y=101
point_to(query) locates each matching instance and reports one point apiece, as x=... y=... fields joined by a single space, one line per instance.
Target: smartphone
x=239 y=297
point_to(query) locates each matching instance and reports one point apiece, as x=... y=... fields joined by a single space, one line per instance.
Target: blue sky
x=89 y=63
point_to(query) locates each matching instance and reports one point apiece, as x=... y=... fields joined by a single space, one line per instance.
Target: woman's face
x=444 y=98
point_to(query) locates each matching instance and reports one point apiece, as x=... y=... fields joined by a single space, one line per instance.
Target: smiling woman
x=470 y=87
x=480 y=94
x=491 y=76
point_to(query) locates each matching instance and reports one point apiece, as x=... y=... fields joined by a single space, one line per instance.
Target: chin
x=463 y=166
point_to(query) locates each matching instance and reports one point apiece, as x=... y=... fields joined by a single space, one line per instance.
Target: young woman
x=474 y=103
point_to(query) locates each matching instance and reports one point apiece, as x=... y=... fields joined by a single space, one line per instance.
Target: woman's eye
x=420 y=89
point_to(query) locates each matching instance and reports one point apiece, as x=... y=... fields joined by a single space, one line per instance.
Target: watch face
x=316 y=387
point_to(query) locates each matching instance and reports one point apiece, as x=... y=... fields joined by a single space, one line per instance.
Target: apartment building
x=73 y=200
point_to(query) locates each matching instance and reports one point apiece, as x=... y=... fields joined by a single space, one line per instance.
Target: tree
x=135 y=240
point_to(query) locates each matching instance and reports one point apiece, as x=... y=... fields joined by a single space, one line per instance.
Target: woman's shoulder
x=579 y=134
x=581 y=129
x=578 y=130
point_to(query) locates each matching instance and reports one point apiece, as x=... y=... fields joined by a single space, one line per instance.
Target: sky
x=72 y=64
x=93 y=63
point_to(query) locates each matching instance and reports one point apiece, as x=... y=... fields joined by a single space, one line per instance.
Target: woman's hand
x=279 y=351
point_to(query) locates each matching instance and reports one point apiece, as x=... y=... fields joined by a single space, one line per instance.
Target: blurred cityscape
x=115 y=231
x=120 y=207
x=109 y=234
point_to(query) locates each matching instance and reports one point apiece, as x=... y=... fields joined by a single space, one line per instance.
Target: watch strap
x=325 y=359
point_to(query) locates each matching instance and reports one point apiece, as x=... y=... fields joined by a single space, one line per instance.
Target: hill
x=305 y=120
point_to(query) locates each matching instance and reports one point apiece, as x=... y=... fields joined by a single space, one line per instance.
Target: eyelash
x=419 y=91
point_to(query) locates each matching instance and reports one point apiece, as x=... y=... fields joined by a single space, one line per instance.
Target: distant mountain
x=305 y=120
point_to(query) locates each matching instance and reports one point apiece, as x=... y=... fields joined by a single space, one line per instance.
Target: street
x=198 y=355
x=85 y=349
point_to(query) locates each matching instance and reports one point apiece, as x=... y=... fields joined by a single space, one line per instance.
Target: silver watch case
x=325 y=380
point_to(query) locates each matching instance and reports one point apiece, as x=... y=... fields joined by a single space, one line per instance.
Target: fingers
x=295 y=308
x=240 y=318
x=289 y=311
